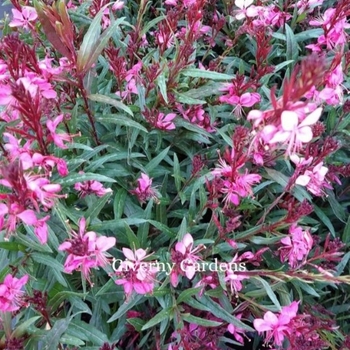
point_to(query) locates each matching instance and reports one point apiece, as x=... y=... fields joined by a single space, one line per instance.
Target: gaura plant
x=174 y=175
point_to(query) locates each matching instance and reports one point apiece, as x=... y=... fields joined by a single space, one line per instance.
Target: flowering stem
x=177 y=196
x=87 y=110
x=6 y=319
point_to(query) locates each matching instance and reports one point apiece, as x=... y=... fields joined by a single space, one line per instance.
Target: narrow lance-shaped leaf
x=108 y=100
x=94 y=42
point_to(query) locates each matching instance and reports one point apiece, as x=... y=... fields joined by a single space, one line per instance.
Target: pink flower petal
x=129 y=254
x=28 y=217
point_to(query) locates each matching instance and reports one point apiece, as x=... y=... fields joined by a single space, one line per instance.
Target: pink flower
x=277 y=327
x=208 y=280
x=131 y=88
x=11 y=293
x=47 y=70
x=235 y=279
x=22 y=19
x=197 y=116
x=333 y=90
x=246 y=10
x=314 y=180
x=238 y=99
x=235 y=184
x=248 y=99
x=144 y=191
x=135 y=274
x=118 y=5
x=5 y=95
x=58 y=138
x=296 y=247
x=86 y=251
x=91 y=187
x=164 y=122
x=49 y=162
x=41 y=229
x=308 y=5
x=292 y=132
x=269 y=16
x=34 y=84
x=15 y=150
x=236 y=331
x=43 y=190
x=13 y=213
x=184 y=256
x=257 y=116
x=334 y=29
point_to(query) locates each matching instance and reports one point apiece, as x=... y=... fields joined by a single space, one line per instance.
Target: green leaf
x=115 y=103
x=177 y=173
x=31 y=241
x=200 y=321
x=70 y=340
x=115 y=224
x=324 y=218
x=194 y=128
x=338 y=210
x=185 y=295
x=126 y=306
x=207 y=90
x=346 y=233
x=221 y=313
x=52 y=339
x=23 y=327
x=112 y=157
x=162 y=315
x=308 y=34
x=87 y=332
x=299 y=192
x=12 y=246
x=164 y=228
x=161 y=82
x=137 y=323
x=119 y=203
x=150 y=24
x=132 y=238
x=308 y=289
x=269 y=292
x=184 y=98
x=94 y=42
x=106 y=288
x=206 y=74
x=344 y=262
x=155 y=161
x=282 y=65
x=74 y=178
x=63 y=296
x=121 y=120
x=97 y=206
x=55 y=266
x=292 y=46
x=101 y=43
x=90 y=41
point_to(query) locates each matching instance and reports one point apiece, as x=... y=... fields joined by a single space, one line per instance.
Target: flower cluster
x=133 y=275
x=86 y=250
x=11 y=293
